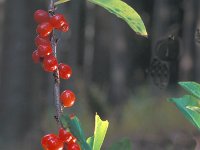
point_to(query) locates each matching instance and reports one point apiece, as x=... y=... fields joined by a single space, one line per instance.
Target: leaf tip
x=61 y=2
x=170 y=100
x=145 y=35
x=98 y=118
x=181 y=83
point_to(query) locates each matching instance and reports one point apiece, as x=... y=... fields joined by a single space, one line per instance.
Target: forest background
x=124 y=77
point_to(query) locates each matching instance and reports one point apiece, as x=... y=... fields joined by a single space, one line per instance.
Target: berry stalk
x=56 y=92
x=46 y=43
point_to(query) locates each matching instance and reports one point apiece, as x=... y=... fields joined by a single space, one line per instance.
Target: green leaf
x=183 y=103
x=99 y=133
x=61 y=1
x=125 y=12
x=75 y=128
x=90 y=141
x=192 y=87
x=194 y=108
x=124 y=144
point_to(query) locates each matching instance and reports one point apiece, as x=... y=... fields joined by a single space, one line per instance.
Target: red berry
x=50 y=63
x=65 y=27
x=57 y=21
x=65 y=71
x=44 y=50
x=65 y=136
x=67 y=98
x=74 y=140
x=41 y=16
x=46 y=139
x=42 y=41
x=44 y=29
x=73 y=146
x=35 y=57
x=52 y=142
x=55 y=144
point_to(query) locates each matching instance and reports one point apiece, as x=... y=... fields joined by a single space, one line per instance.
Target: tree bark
x=187 y=61
x=23 y=87
x=197 y=43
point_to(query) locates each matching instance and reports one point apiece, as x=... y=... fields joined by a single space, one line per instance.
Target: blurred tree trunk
x=110 y=55
x=23 y=88
x=159 y=31
x=118 y=60
x=101 y=64
x=189 y=23
x=88 y=56
x=197 y=43
x=75 y=55
x=90 y=33
x=166 y=23
x=160 y=23
x=73 y=42
x=138 y=46
x=2 y=4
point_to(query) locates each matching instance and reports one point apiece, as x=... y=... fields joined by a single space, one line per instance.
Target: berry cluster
x=44 y=52
x=64 y=139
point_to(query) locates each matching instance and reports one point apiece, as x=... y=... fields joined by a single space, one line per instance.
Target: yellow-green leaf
x=61 y=1
x=125 y=12
x=100 y=130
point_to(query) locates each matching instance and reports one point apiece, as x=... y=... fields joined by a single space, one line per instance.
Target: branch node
x=56 y=118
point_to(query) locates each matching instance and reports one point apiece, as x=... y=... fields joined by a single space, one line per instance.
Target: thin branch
x=51 y=6
x=54 y=41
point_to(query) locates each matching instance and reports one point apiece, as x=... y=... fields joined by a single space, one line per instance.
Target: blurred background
x=124 y=77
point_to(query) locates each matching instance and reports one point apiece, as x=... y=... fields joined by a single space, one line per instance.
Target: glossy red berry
x=45 y=140
x=57 y=21
x=35 y=57
x=52 y=142
x=65 y=136
x=44 y=50
x=41 y=16
x=55 y=144
x=74 y=140
x=42 y=41
x=65 y=71
x=65 y=27
x=50 y=63
x=44 y=29
x=67 y=98
x=73 y=146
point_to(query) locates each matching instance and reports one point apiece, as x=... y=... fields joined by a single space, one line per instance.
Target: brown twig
x=54 y=41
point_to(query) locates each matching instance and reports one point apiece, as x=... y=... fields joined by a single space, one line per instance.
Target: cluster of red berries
x=44 y=52
x=54 y=142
